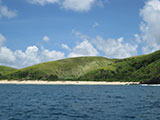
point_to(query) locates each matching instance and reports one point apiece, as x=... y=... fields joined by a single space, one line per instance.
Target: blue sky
x=34 y=31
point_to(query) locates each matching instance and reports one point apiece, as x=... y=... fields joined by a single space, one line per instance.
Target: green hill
x=4 y=70
x=66 y=69
x=145 y=69
x=139 y=68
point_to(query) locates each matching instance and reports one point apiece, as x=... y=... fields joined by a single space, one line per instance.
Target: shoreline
x=36 y=82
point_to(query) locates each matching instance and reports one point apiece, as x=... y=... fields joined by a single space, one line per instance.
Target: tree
x=53 y=77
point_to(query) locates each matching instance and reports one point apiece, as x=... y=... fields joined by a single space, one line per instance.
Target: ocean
x=79 y=102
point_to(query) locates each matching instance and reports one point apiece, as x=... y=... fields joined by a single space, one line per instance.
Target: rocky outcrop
x=155 y=80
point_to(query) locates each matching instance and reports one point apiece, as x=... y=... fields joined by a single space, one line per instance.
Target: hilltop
x=144 y=69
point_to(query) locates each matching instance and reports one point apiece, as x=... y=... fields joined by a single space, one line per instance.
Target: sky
x=35 y=31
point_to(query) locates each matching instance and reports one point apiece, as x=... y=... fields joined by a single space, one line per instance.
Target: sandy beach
x=35 y=82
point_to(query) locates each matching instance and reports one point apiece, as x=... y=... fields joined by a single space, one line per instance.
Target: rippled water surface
x=68 y=102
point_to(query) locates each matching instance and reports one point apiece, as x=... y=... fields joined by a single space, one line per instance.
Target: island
x=143 y=69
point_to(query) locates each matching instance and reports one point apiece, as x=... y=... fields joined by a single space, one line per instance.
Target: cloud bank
x=115 y=48
x=150 y=26
x=32 y=55
x=111 y=48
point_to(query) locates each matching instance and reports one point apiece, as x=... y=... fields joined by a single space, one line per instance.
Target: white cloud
x=5 y=12
x=27 y=58
x=83 y=49
x=112 y=48
x=32 y=55
x=80 y=35
x=2 y=39
x=150 y=27
x=95 y=25
x=6 y=56
x=75 y=5
x=78 y=5
x=46 y=38
x=150 y=48
x=64 y=46
x=115 y=48
x=101 y=3
x=137 y=38
x=47 y=55
x=32 y=51
x=43 y=2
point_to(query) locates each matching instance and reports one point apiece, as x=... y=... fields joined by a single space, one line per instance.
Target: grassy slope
x=71 y=68
x=140 y=68
x=4 y=70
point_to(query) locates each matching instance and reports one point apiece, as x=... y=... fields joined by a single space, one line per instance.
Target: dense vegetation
x=5 y=70
x=140 y=68
x=144 y=69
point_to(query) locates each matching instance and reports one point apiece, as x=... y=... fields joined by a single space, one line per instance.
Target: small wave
x=157 y=85
x=128 y=117
x=79 y=116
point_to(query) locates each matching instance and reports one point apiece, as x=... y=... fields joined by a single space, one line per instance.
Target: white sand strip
x=35 y=82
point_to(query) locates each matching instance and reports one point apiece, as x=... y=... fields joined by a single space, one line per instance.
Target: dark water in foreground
x=67 y=102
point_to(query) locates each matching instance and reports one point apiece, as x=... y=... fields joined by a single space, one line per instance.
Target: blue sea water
x=83 y=102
